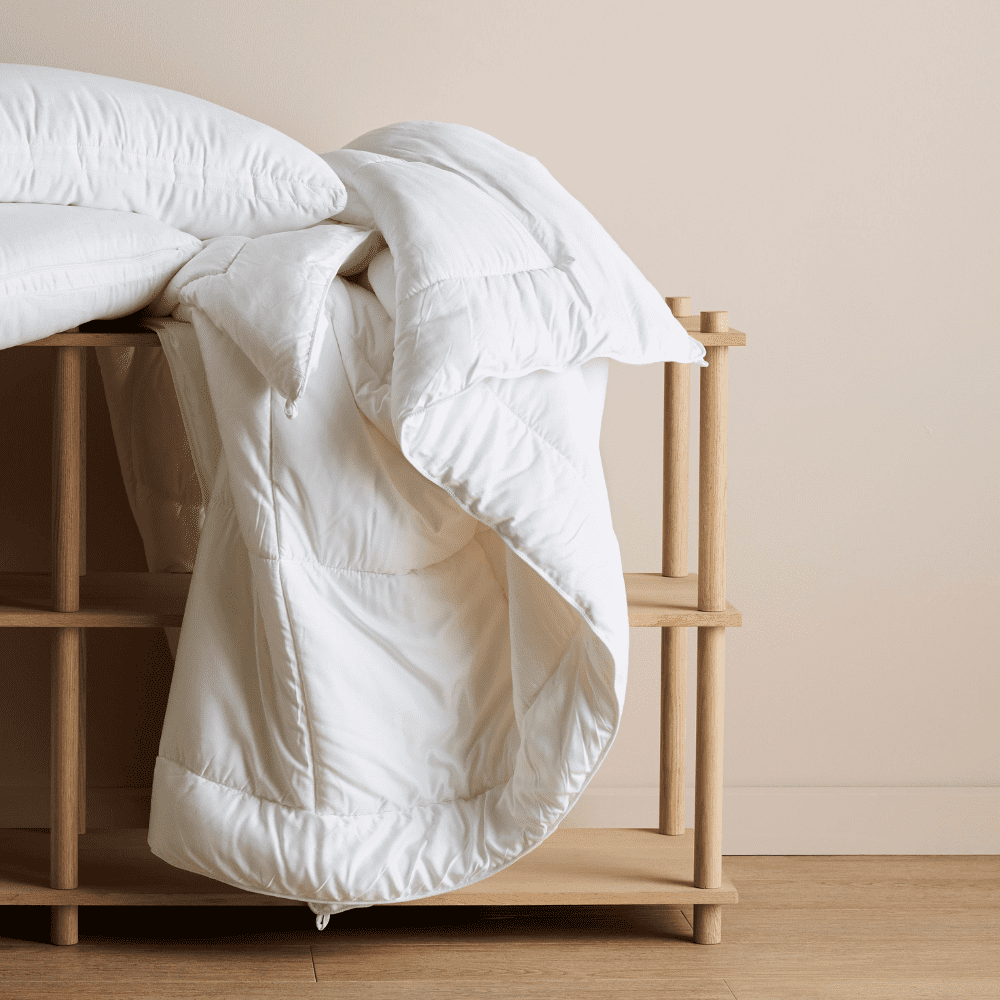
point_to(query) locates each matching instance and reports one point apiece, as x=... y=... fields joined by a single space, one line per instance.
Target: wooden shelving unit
x=65 y=866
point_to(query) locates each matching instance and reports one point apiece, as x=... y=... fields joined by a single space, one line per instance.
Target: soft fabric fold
x=405 y=651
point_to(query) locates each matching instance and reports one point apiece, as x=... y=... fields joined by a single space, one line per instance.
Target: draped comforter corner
x=405 y=646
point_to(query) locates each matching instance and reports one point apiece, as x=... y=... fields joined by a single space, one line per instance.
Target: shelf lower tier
x=149 y=600
x=589 y=867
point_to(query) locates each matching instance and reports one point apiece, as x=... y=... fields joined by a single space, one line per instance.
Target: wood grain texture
x=729 y=338
x=708 y=762
x=707 y=924
x=655 y=600
x=712 y=482
x=66 y=440
x=676 y=433
x=64 y=756
x=673 y=729
x=919 y=946
x=81 y=794
x=107 y=600
x=464 y=989
x=800 y=988
x=136 y=963
x=574 y=866
x=866 y=881
x=83 y=461
x=81 y=768
x=673 y=641
x=64 y=926
x=474 y=956
x=147 y=600
x=97 y=339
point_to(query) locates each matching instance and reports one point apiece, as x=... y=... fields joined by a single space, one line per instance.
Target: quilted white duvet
x=404 y=651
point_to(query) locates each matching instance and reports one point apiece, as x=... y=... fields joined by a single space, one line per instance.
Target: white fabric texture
x=62 y=266
x=281 y=281
x=72 y=138
x=160 y=477
x=405 y=648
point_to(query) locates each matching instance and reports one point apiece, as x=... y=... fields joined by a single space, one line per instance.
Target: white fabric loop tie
x=322 y=919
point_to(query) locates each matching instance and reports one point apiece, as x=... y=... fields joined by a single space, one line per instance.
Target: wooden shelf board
x=143 y=338
x=668 y=601
x=127 y=333
x=572 y=867
x=731 y=338
x=148 y=600
x=107 y=600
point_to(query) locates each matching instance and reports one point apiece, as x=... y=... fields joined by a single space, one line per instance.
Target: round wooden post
x=712 y=470
x=711 y=640
x=673 y=641
x=65 y=681
x=82 y=769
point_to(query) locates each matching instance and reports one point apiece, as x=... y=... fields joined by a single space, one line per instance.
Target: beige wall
x=828 y=174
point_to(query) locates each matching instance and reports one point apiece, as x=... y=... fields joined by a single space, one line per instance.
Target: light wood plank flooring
x=806 y=928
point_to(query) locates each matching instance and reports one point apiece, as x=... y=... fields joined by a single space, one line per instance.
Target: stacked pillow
x=62 y=266
x=140 y=176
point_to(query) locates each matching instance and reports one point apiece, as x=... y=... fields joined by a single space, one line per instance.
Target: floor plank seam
x=728 y=987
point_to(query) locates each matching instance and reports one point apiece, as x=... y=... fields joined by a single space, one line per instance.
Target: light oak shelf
x=148 y=600
x=671 y=602
x=65 y=867
x=571 y=867
x=132 y=334
x=107 y=600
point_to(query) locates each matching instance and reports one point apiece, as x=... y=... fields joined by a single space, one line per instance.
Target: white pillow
x=61 y=266
x=70 y=138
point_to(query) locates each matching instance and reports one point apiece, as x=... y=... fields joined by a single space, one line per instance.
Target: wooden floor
x=806 y=928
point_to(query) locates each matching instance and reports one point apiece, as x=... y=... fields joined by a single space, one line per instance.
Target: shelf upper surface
x=731 y=338
x=669 y=601
x=572 y=866
x=148 y=600
x=119 y=333
x=107 y=600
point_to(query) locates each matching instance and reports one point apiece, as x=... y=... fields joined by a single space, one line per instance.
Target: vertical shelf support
x=64 y=819
x=711 y=640
x=82 y=783
x=673 y=641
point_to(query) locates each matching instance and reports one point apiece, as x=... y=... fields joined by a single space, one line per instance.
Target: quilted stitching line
x=87 y=265
x=313 y=812
x=299 y=561
x=478 y=277
x=176 y=164
x=534 y=430
x=284 y=598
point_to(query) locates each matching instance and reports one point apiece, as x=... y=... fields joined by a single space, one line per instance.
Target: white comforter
x=404 y=651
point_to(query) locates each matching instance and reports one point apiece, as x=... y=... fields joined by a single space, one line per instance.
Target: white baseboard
x=807 y=820
x=797 y=820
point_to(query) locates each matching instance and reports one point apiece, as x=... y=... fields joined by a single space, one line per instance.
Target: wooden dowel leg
x=673 y=642
x=711 y=640
x=708 y=764
x=81 y=793
x=64 y=927
x=708 y=778
x=712 y=482
x=64 y=779
x=64 y=782
x=673 y=726
x=82 y=788
x=708 y=923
